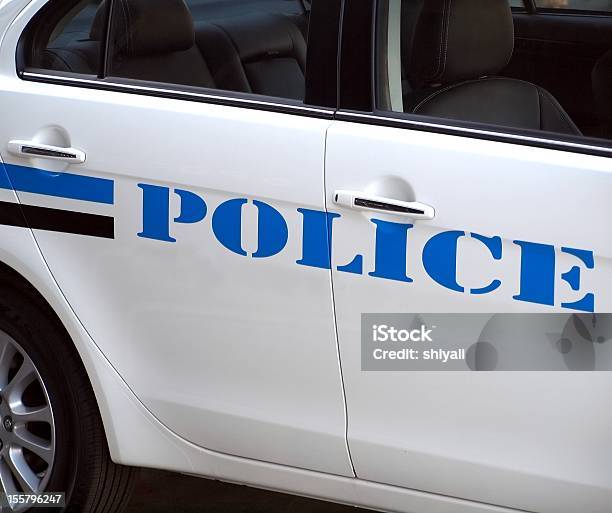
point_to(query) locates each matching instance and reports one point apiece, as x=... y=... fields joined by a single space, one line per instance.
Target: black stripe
x=51 y=219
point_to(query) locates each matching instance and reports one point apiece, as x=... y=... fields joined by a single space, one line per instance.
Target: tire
x=74 y=458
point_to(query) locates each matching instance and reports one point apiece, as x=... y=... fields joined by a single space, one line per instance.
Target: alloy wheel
x=27 y=429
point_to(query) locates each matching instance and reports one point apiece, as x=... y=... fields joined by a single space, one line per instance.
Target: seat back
x=459 y=47
x=262 y=54
x=155 y=40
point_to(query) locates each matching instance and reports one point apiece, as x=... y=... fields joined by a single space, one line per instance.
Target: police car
x=200 y=198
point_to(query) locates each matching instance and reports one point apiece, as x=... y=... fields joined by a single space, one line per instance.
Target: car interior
x=482 y=61
x=251 y=47
x=494 y=62
x=458 y=50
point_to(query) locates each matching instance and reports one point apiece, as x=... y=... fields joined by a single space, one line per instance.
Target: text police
x=439 y=254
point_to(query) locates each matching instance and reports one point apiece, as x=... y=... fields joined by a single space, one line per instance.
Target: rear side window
x=64 y=38
x=248 y=46
x=245 y=46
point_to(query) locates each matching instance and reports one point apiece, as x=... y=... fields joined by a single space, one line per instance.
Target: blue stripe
x=62 y=185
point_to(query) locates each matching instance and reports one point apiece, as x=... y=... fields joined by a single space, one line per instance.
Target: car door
x=430 y=218
x=171 y=217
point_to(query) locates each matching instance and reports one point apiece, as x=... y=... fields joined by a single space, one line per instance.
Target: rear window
x=63 y=37
x=245 y=46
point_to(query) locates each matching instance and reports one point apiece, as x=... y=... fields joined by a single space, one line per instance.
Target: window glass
x=583 y=5
x=64 y=39
x=477 y=67
x=248 y=46
x=517 y=3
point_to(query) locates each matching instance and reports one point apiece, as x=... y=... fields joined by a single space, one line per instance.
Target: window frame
x=320 y=75
x=358 y=110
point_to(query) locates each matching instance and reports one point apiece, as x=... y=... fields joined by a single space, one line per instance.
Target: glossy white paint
x=135 y=437
x=533 y=441
x=191 y=347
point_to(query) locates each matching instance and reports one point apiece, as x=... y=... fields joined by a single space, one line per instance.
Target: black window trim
x=476 y=131
x=104 y=60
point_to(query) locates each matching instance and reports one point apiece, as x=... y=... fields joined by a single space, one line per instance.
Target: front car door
x=171 y=213
x=502 y=221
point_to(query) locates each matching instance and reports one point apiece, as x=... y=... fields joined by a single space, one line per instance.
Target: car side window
x=256 y=47
x=245 y=46
x=63 y=38
x=458 y=61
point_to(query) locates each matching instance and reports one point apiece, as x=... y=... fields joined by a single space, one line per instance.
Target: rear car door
x=160 y=171
x=435 y=215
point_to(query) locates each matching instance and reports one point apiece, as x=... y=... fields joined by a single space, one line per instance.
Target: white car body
x=246 y=368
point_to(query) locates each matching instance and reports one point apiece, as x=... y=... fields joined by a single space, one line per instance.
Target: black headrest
x=147 y=27
x=458 y=40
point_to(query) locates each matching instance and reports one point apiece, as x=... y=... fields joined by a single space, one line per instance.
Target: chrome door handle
x=46 y=151
x=363 y=201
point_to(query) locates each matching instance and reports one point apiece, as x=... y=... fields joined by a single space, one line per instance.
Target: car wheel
x=51 y=433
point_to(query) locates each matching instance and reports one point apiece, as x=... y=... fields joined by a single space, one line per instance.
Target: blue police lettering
x=538 y=272
x=572 y=277
x=316 y=238
x=156 y=211
x=317 y=228
x=391 y=259
x=390 y=254
x=440 y=259
x=272 y=232
x=226 y=222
